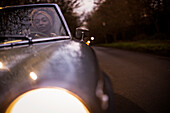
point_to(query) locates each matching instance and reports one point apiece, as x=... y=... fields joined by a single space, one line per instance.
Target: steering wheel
x=33 y=33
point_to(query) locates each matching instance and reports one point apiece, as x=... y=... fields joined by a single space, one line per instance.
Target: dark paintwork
x=64 y=63
x=67 y=64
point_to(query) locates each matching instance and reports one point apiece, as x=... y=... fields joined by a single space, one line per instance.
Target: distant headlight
x=47 y=100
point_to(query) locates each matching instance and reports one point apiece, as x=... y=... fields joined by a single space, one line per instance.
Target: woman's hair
x=50 y=13
x=45 y=11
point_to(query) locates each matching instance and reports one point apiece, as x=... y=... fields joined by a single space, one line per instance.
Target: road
x=141 y=82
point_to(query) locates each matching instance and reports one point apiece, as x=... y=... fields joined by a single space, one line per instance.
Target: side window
x=36 y=22
x=46 y=23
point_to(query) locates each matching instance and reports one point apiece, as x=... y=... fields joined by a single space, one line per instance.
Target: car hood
x=66 y=64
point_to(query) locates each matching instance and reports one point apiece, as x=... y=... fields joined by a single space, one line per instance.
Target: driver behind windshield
x=42 y=21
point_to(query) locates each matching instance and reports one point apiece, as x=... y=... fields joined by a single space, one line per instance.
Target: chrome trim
x=31 y=41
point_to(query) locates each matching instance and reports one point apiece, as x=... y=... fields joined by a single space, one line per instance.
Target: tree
x=123 y=19
x=156 y=12
x=113 y=17
x=67 y=7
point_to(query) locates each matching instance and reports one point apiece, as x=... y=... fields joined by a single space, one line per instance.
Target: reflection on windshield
x=29 y=22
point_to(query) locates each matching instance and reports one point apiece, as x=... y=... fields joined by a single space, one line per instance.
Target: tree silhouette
x=125 y=19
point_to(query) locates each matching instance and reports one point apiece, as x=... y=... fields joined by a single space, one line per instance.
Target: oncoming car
x=43 y=69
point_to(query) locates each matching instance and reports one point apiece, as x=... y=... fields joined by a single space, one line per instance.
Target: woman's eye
x=37 y=21
x=44 y=19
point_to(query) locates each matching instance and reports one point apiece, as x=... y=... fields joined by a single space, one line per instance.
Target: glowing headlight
x=47 y=100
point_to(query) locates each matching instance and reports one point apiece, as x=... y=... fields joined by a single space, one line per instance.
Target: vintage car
x=43 y=69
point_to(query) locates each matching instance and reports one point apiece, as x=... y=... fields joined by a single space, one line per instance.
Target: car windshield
x=35 y=22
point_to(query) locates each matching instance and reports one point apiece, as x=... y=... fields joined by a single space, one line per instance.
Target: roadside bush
x=160 y=36
x=157 y=36
x=141 y=37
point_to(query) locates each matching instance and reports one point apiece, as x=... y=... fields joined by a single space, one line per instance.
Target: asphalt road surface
x=141 y=82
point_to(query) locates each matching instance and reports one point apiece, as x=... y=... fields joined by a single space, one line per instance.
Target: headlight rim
x=11 y=105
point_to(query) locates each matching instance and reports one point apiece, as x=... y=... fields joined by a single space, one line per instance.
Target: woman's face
x=42 y=23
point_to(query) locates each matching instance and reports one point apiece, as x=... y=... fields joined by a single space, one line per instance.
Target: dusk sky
x=86 y=6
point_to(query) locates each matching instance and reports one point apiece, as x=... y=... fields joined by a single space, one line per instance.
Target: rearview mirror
x=82 y=33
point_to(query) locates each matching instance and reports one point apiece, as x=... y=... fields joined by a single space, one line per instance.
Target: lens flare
x=33 y=76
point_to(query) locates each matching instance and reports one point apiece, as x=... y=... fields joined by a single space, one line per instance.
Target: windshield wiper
x=15 y=40
x=30 y=40
x=14 y=37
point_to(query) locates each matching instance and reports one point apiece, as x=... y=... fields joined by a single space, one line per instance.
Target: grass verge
x=154 y=47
